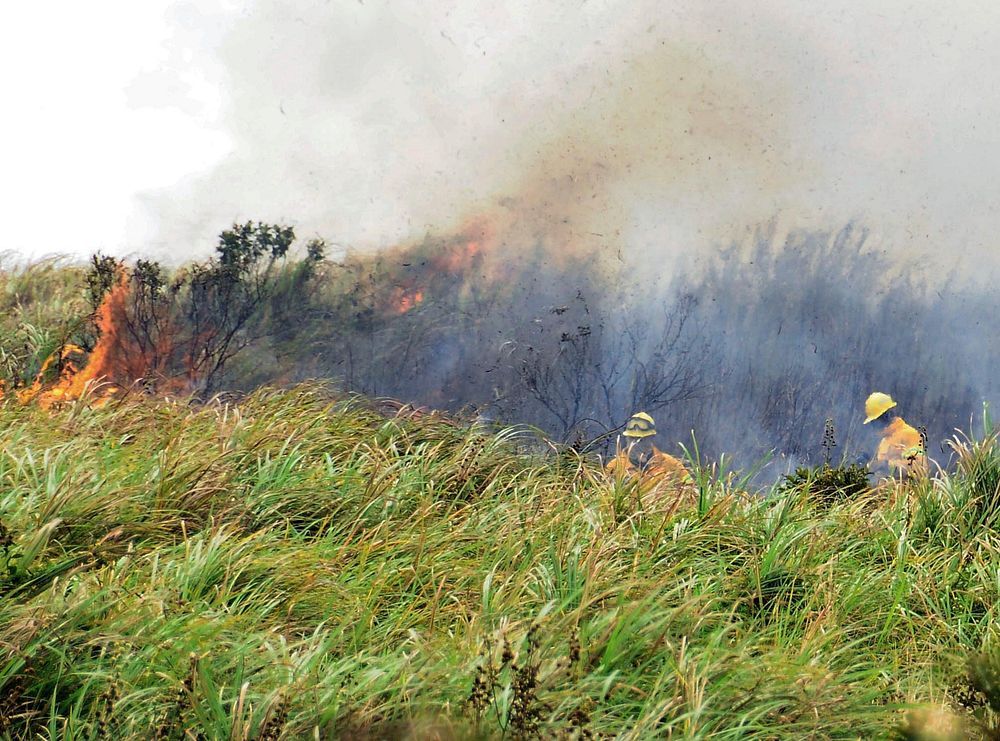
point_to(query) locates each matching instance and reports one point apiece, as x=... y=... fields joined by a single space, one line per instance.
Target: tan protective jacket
x=902 y=448
x=662 y=468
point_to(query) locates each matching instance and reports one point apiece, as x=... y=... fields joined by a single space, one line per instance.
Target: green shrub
x=828 y=484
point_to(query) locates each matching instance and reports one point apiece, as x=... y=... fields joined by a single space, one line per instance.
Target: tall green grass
x=42 y=307
x=297 y=566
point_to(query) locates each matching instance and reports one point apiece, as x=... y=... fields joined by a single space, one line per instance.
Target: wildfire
x=120 y=356
x=455 y=258
x=69 y=369
x=406 y=300
x=100 y=364
x=459 y=258
x=73 y=380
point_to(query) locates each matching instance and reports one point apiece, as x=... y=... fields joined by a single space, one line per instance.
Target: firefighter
x=641 y=457
x=901 y=446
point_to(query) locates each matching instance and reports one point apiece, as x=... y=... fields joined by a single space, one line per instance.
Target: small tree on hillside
x=225 y=293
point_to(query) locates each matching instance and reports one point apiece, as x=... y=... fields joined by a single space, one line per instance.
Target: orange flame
x=456 y=257
x=459 y=258
x=73 y=381
x=406 y=299
x=99 y=364
x=68 y=369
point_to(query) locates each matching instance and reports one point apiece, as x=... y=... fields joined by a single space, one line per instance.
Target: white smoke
x=663 y=127
x=371 y=122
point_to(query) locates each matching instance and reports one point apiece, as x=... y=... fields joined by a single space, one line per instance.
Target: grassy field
x=299 y=566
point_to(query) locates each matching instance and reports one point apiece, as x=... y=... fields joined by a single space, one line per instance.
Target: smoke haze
x=657 y=130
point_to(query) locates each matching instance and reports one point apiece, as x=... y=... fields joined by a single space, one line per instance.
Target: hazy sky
x=654 y=126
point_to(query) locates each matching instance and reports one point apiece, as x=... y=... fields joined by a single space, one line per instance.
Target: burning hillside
x=415 y=272
x=570 y=342
x=176 y=333
x=753 y=351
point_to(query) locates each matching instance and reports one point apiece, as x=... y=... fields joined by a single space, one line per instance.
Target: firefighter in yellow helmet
x=901 y=446
x=641 y=457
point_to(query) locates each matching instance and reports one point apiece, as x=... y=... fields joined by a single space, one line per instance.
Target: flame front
x=123 y=355
x=73 y=381
x=453 y=260
x=406 y=299
x=100 y=365
x=459 y=258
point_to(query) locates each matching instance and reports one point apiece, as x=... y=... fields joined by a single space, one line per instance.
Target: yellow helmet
x=640 y=425
x=876 y=405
